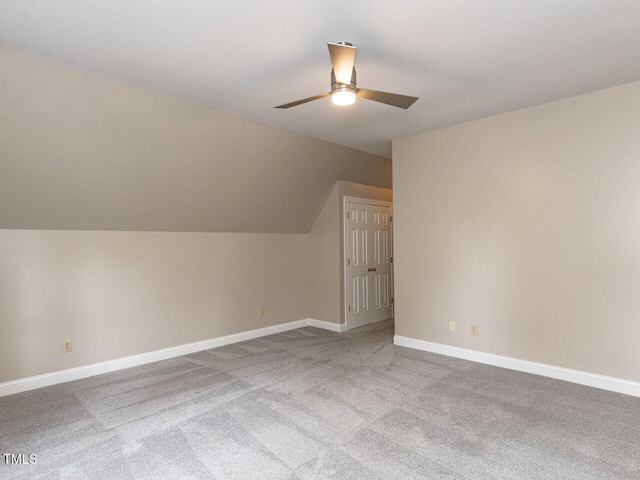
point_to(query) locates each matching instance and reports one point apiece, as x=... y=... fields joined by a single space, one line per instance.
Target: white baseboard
x=54 y=378
x=334 y=327
x=613 y=384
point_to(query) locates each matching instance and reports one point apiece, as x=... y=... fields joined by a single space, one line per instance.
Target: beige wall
x=528 y=225
x=122 y=293
x=350 y=189
x=325 y=261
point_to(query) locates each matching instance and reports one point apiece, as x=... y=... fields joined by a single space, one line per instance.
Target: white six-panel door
x=369 y=281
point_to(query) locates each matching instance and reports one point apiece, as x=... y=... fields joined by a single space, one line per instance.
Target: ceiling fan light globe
x=343 y=97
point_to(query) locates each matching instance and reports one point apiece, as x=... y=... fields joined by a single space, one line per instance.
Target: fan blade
x=401 y=101
x=300 y=102
x=342 y=59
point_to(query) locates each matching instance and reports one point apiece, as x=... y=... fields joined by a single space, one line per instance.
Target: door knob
x=371 y=269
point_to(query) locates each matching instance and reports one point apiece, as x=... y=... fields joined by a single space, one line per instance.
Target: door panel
x=382 y=263
x=358 y=265
x=369 y=279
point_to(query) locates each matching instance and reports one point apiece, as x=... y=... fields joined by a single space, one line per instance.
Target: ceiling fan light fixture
x=344 y=88
x=343 y=96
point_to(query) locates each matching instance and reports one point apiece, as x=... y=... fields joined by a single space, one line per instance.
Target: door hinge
x=391 y=218
x=391 y=299
x=347 y=215
x=349 y=307
x=391 y=259
x=348 y=261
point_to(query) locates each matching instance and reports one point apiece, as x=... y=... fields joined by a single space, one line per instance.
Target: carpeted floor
x=315 y=404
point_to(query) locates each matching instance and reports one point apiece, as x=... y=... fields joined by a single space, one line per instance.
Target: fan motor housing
x=340 y=87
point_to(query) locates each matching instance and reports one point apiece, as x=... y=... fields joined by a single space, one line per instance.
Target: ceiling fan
x=343 y=82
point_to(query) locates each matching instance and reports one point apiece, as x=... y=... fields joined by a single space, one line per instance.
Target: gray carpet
x=315 y=404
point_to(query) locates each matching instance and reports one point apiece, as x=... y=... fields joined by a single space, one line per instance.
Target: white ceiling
x=465 y=59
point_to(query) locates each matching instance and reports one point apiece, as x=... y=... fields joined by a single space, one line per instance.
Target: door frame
x=345 y=249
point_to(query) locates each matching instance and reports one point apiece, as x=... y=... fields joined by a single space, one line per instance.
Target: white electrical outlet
x=261 y=312
x=474 y=329
x=66 y=346
x=452 y=326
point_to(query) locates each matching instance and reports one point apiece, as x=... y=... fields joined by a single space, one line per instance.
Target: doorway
x=368 y=261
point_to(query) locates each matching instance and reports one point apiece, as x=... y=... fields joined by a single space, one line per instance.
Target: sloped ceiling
x=465 y=59
x=81 y=152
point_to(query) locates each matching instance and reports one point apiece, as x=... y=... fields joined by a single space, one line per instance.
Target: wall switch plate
x=452 y=326
x=66 y=346
x=261 y=312
x=474 y=329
